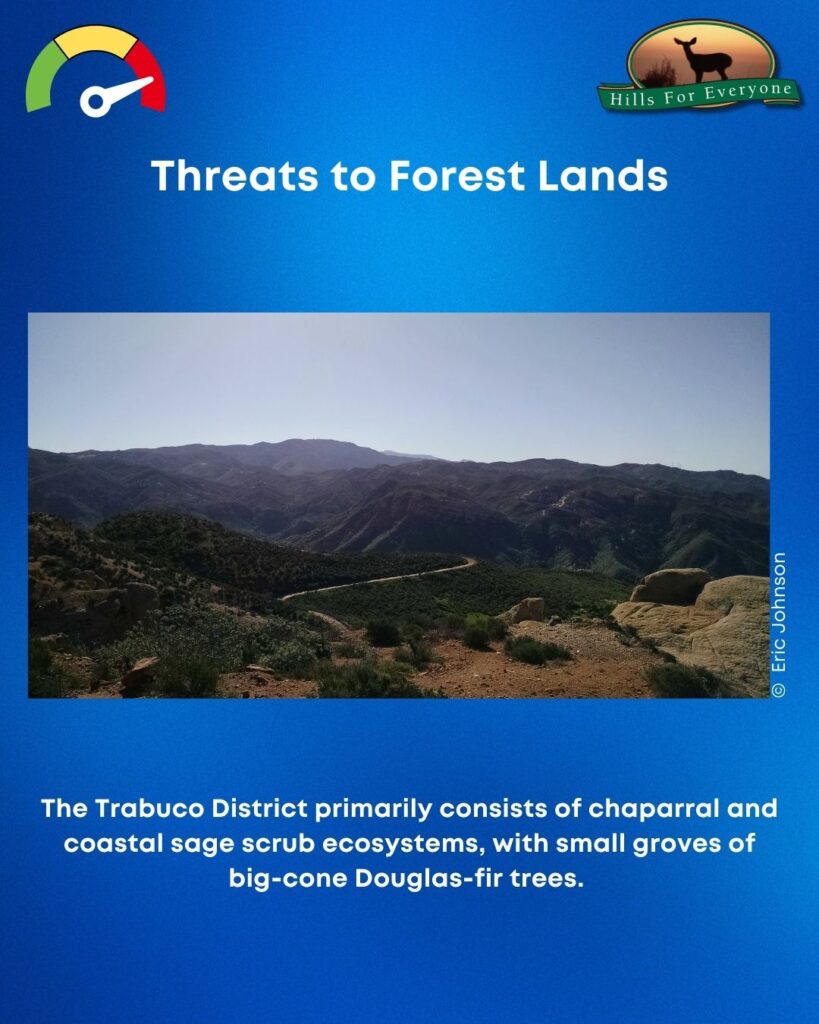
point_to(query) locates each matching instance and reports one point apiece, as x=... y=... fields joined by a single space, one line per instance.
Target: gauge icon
x=96 y=100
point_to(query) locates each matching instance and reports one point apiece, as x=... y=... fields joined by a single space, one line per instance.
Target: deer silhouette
x=702 y=62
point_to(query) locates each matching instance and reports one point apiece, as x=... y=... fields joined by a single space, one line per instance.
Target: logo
x=96 y=101
x=699 y=64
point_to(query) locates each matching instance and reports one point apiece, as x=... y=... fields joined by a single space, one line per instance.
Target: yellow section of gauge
x=95 y=37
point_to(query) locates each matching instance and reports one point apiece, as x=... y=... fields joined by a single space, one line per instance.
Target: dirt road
x=384 y=579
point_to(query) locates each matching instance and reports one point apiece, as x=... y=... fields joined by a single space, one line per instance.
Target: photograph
x=398 y=505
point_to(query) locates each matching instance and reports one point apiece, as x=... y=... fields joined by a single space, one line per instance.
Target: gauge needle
x=109 y=96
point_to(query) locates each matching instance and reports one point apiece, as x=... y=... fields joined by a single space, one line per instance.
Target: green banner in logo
x=702 y=94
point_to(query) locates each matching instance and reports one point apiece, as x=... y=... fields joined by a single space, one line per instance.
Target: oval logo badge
x=699 y=64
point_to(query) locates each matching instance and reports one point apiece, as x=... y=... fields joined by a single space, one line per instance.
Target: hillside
x=484 y=588
x=196 y=599
x=192 y=558
x=97 y=612
x=213 y=553
x=155 y=605
x=623 y=521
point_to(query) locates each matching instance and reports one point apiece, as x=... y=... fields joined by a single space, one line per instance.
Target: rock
x=138 y=599
x=530 y=609
x=259 y=668
x=91 y=578
x=672 y=586
x=138 y=680
x=725 y=630
x=108 y=614
x=55 y=642
x=733 y=592
x=100 y=608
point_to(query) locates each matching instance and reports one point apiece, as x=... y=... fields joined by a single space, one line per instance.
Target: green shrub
x=186 y=677
x=410 y=631
x=349 y=649
x=417 y=653
x=368 y=679
x=675 y=680
x=487 y=587
x=420 y=621
x=535 y=652
x=451 y=625
x=45 y=677
x=496 y=630
x=228 y=641
x=382 y=633
x=291 y=658
x=476 y=637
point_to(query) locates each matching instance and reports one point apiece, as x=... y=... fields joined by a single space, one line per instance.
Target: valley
x=318 y=569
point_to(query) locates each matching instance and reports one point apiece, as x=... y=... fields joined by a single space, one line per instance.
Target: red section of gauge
x=144 y=63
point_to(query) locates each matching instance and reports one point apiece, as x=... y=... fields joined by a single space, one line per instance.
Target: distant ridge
x=293 y=456
x=415 y=458
x=334 y=496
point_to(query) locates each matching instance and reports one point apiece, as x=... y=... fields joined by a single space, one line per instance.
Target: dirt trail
x=343 y=631
x=384 y=579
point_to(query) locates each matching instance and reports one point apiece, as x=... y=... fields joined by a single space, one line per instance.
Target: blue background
x=673 y=939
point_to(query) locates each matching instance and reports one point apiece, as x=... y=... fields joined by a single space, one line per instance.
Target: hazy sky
x=682 y=389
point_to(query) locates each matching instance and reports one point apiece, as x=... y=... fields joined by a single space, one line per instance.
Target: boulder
x=89 y=577
x=530 y=609
x=136 y=682
x=725 y=630
x=55 y=642
x=672 y=586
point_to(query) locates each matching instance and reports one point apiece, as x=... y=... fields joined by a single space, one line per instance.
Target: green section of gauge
x=38 y=84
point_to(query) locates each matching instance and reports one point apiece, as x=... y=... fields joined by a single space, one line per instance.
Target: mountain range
x=324 y=495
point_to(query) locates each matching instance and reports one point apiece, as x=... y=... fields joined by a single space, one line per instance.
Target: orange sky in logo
x=749 y=58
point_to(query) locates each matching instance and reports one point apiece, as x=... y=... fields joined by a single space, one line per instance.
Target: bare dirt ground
x=602 y=665
x=251 y=684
